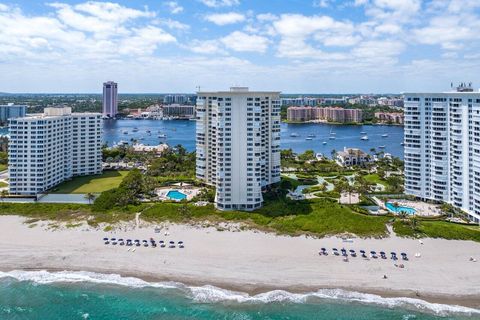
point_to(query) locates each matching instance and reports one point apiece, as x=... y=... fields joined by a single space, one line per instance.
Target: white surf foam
x=212 y=294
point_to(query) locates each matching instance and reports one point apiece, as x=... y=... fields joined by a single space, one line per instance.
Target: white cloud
x=206 y=47
x=222 y=19
x=220 y=3
x=174 y=7
x=88 y=31
x=173 y=24
x=321 y=3
x=240 y=41
x=266 y=17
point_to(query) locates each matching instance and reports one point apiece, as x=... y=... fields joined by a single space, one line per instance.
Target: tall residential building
x=11 y=110
x=49 y=148
x=238 y=145
x=442 y=148
x=110 y=99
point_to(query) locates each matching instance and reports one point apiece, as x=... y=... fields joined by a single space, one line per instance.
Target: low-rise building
x=331 y=114
x=141 y=148
x=179 y=111
x=389 y=117
x=352 y=157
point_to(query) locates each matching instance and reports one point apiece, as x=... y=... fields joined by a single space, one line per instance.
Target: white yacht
x=365 y=137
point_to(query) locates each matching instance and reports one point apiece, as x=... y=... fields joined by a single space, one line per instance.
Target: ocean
x=183 y=132
x=86 y=295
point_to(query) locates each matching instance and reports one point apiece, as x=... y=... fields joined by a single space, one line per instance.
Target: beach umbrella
x=403 y=254
x=382 y=253
x=373 y=252
x=105 y=239
x=113 y=239
x=393 y=253
x=335 y=249
x=352 y=251
x=180 y=242
x=362 y=251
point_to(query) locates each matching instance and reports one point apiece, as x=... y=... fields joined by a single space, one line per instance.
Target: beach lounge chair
x=373 y=254
x=181 y=245
x=404 y=256
x=107 y=242
x=335 y=251
x=171 y=244
x=383 y=255
x=353 y=253
x=363 y=253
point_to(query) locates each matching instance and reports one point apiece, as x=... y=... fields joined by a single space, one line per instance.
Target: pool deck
x=421 y=208
x=189 y=191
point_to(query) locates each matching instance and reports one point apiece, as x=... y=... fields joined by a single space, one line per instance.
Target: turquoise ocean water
x=84 y=295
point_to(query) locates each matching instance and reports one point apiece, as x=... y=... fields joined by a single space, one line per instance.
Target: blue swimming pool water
x=399 y=209
x=176 y=195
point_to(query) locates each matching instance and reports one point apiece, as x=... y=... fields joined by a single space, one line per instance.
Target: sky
x=293 y=46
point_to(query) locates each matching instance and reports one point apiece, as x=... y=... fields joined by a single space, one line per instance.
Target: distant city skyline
x=308 y=46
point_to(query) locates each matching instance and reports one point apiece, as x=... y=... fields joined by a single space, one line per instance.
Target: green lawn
x=94 y=184
x=3 y=167
x=3 y=184
x=374 y=178
x=438 y=229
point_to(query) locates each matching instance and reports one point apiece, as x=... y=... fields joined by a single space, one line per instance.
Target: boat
x=308 y=138
x=294 y=135
x=365 y=137
x=402 y=143
x=332 y=137
x=384 y=135
x=135 y=129
x=324 y=142
x=148 y=131
x=363 y=132
x=162 y=135
x=312 y=135
x=125 y=132
x=381 y=147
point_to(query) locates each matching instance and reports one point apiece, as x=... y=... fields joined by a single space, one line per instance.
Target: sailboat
x=332 y=135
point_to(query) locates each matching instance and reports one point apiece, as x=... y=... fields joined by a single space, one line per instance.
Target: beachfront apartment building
x=238 y=145
x=442 y=148
x=10 y=111
x=330 y=114
x=47 y=149
x=110 y=99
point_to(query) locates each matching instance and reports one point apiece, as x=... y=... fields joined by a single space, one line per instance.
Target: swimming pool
x=176 y=195
x=392 y=208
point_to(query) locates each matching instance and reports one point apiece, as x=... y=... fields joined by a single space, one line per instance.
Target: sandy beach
x=250 y=261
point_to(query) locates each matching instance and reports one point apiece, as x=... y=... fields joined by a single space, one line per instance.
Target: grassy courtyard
x=94 y=184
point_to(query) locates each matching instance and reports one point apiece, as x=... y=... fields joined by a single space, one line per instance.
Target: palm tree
x=4 y=194
x=333 y=153
x=90 y=197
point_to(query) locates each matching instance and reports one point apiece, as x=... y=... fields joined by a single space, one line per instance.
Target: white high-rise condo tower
x=442 y=148
x=45 y=150
x=238 y=145
x=110 y=101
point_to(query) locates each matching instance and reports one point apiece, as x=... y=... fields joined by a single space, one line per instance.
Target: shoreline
x=250 y=261
x=468 y=301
